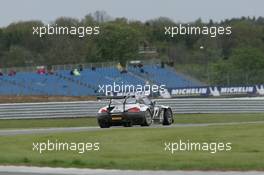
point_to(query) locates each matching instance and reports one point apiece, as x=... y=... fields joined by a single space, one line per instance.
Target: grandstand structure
x=60 y=82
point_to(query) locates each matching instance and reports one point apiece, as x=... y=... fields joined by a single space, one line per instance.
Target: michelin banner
x=256 y=90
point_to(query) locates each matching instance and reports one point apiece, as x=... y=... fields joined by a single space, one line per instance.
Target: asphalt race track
x=9 y=132
x=20 y=170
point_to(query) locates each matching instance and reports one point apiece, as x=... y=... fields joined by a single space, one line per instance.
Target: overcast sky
x=178 y=10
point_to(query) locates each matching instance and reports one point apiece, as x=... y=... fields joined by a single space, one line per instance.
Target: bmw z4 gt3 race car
x=132 y=110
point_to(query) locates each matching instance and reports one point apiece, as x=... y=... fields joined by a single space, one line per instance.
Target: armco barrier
x=90 y=108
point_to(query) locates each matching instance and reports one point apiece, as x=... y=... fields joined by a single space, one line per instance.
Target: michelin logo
x=237 y=90
x=165 y=94
x=260 y=89
x=189 y=91
x=215 y=91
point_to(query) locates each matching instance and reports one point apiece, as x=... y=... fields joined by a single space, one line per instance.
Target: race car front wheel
x=103 y=124
x=168 y=117
x=147 y=120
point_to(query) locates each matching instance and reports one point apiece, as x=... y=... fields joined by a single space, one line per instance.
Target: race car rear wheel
x=147 y=119
x=168 y=117
x=103 y=124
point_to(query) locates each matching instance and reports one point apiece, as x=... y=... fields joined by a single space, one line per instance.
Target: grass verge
x=143 y=148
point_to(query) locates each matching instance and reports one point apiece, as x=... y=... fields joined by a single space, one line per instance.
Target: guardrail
x=90 y=108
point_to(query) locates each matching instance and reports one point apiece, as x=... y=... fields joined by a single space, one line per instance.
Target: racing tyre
x=168 y=117
x=147 y=119
x=103 y=124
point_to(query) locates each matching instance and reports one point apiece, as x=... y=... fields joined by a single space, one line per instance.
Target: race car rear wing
x=116 y=97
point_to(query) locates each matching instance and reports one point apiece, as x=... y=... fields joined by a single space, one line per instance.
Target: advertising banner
x=256 y=90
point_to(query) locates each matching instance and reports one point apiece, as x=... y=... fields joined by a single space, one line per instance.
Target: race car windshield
x=144 y=101
x=147 y=101
x=131 y=101
x=117 y=102
x=121 y=101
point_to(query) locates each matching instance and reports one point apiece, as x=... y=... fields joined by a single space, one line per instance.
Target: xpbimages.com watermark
x=130 y=88
x=212 y=31
x=188 y=146
x=51 y=146
x=80 y=31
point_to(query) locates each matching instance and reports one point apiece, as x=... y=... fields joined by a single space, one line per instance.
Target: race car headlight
x=135 y=109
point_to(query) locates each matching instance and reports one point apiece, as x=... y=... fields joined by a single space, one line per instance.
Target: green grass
x=218 y=118
x=47 y=123
x=78 y=122
x=143 y=148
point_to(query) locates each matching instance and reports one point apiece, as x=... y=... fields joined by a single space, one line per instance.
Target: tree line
x=223 y=60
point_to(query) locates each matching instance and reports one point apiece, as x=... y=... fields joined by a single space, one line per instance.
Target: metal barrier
x=90 y=108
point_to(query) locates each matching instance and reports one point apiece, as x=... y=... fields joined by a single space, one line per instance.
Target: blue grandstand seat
x=62 y=83
x=163 y=76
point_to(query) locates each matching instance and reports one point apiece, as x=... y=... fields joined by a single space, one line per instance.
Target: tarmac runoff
x=23 y=170
x=10 y=132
